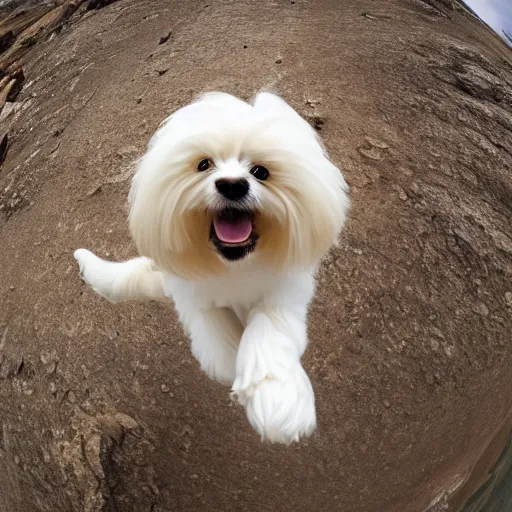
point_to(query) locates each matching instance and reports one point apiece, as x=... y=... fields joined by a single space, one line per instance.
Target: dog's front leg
x=215 y=335
x=271 y=383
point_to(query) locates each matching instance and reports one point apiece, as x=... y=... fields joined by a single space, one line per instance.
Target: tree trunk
x=103 y=408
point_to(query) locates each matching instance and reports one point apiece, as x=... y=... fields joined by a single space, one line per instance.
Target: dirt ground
x=103 y=408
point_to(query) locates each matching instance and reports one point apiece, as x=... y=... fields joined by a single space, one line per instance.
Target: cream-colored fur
x=247 y=319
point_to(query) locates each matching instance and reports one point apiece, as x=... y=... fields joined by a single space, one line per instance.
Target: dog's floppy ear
x=268 y=103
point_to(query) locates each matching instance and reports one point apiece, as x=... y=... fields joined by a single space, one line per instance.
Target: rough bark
x=103 y=408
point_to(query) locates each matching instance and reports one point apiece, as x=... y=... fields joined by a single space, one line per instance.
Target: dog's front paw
x=280 y=410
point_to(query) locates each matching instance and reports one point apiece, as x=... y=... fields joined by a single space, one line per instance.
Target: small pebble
x=372 y=153
x=164 y=39
x=401 y=193
x=481 y=309
x=127 y=422
x=415 y=189
x=376 y=143
x=448 y=350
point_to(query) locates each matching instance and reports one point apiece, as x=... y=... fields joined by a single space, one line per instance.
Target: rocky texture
x=23 y=24
x=102 y=407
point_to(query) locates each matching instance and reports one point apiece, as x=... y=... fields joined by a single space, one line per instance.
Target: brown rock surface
x=410 y=331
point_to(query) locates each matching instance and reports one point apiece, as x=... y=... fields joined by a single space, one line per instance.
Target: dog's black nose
x=233 y=189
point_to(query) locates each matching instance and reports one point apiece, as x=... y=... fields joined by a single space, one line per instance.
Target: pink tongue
x=233 y=231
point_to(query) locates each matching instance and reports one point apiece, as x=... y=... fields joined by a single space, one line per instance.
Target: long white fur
x=247 y=320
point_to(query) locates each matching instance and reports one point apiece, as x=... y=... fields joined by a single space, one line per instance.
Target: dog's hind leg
x=129 y=280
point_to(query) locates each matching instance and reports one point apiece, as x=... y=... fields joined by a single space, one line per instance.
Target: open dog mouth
x=232 y=233
x=232 y=226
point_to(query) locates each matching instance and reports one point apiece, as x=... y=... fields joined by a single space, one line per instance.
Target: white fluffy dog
x=232 y=208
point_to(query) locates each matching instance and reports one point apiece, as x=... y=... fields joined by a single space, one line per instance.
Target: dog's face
x=225 y=181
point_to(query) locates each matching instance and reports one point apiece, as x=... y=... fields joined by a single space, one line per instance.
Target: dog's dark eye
x=204 y=165
x=259 y=172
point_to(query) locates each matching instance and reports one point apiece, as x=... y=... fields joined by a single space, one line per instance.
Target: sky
x=496 y=13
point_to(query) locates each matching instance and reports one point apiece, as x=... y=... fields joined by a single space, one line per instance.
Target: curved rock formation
x=103 y=408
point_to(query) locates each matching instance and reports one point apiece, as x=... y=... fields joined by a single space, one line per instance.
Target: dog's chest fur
x=242 y=289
